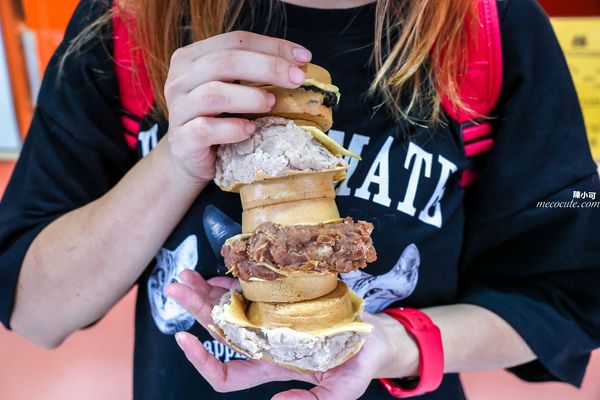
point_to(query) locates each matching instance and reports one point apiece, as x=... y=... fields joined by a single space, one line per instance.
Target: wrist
x=171 y=170
x=428 y=339
x=401 y=357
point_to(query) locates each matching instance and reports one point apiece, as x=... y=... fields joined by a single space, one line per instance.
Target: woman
x=509 y=284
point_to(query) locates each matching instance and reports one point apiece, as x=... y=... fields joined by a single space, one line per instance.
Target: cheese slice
x=235 y=313
x=240 y=236
x=255 y=279
x=273 y=268
x=279 y=271
x=327 y=142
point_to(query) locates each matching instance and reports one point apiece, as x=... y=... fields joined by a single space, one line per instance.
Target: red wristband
x=431 y=353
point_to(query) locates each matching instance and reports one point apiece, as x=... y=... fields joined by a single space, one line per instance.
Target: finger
x=207 y=365
x=242 y=40
x=200 y=307
x=214 y=98
x=225 y=282
x=295 y=394
x=341 y=383
x=210 y=131
x=321 y=392
x=339 y=386
x=194 y=280
x=236 y=65
x=232 y=65
x=234 y=375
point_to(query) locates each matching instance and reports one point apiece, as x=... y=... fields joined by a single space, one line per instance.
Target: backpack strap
x=135 y=90
x=479 y=87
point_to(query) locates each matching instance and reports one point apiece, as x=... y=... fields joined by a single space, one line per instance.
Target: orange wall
x=48 y=19
x=94 y=364
x=6 y=168
x=500 y=385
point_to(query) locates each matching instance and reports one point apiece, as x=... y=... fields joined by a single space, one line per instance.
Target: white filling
x=287 y=346
x=278 y=147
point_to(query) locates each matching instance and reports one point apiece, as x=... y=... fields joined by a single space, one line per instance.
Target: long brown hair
x=419 y=49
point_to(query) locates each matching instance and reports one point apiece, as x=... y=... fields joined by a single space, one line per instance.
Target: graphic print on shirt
x=168 y=315
x=222 y=352
x=218 y=228
x=148 y=139
x=418 y=163
x=379 y=291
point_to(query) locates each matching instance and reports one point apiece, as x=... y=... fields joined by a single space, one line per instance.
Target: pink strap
x=135 y=90
x=475 y=132
x=481 y=146
x=468 y=177
x=480 y=86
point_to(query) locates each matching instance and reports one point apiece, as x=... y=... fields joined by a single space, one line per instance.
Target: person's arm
x=474 y=339
x=85 y=261
x=94 y=246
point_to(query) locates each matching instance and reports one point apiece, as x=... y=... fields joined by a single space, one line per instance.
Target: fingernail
x=270 y=99
x=179 y=338
x=181 y=276
x=301 y=54
x=250 y=127
x=296 y=75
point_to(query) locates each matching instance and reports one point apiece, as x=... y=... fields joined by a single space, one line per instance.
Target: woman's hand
x=388 y=351
x=200 y=87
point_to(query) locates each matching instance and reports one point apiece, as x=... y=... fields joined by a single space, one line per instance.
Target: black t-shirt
x=538 y=268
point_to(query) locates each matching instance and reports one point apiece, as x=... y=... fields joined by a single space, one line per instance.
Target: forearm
x=85 y=261
x=474 y=339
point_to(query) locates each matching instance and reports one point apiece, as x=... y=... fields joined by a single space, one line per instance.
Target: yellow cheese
x=273 y=268
x=326 y=87
x=237 y=237
x=329 y=221
x=235 y=313
x=334 y=147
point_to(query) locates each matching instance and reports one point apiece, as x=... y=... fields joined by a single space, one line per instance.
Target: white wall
x=9 y=132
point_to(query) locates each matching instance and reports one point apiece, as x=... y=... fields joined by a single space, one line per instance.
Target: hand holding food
x=201 y=86
x=389 y=350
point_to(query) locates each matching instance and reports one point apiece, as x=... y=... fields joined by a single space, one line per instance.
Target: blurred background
x=97 y=363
